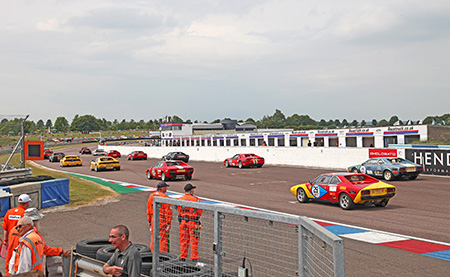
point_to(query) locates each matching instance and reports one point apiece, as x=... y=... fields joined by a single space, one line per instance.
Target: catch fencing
x=243 y=242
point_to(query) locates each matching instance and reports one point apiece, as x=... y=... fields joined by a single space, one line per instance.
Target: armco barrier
x=236 y=240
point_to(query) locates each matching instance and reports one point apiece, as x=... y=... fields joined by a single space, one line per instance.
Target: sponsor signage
x=433 y=161
x=382 y=153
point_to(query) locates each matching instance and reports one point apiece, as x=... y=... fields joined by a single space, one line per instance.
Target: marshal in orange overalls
x=165 y=218
x=190 y=220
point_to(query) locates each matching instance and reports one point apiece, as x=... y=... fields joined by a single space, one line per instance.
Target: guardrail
x=242 y=242
x=14 y=173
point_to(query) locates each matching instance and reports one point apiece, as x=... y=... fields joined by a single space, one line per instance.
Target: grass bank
x=82 y=192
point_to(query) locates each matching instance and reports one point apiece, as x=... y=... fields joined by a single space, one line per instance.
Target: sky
x=239 y=59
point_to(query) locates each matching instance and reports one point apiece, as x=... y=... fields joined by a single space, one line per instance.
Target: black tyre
x=117 y=168
x=96 y=168
x=181 y=268
x=164 y=177
x=346 y=202
x=104 y=253
x=387 y=175
x=142 y=248
x=227 y=164
x=413 y=177
x=89 y=247
x=147 y=261
x=382 y=203
x=240 y=165
x=149 y=175
x=354 y=170
x=301 y=196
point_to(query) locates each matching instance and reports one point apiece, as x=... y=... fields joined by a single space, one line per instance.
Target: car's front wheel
x=163 y=177
x=227 y=164
x=387 y=175
x=149 y=175
x=346 y=202
x=301 y=196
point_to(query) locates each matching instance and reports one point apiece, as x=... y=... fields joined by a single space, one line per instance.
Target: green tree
x=176 y=119
x=344 y=123
x=40 y=124
x=49 y=123
x=383 y=123
x=85 y=123
x=393 y=120
x=354 y=123
x=374 y=122
x=61 y=124
x=363 y=123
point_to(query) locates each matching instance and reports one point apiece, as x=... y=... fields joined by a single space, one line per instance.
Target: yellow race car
x=105 y=163
x=70 y=160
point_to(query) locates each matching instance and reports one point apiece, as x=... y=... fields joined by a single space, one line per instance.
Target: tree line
x=88 y=123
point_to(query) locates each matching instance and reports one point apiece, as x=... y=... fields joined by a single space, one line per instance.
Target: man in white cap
x=14 y=237
x=13 y=215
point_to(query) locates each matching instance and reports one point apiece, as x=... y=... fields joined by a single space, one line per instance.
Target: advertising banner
x=382 y=153
x=434 y=161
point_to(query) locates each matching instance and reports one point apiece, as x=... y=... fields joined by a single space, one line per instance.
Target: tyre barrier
x=185 y=269
x=105 y=252
x=147 y=261
x=89 y=247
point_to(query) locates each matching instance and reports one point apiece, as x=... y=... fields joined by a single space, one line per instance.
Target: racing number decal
x=318 y=191
x=363 y=169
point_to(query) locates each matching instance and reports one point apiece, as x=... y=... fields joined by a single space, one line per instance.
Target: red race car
x=113 y=153
x=347 y=189
x=137 y=155
x=47 y=153
x=169 y=170
x=244 y=160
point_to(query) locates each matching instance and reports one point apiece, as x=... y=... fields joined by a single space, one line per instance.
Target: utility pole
x=22 y=156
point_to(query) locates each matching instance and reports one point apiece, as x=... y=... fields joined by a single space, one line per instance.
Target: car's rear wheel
x=387 y=175
x=354 y=170
x=240 y=165
x=414 y=177
x=382 y=203
x=149 y=175
x=96 y=168
x=301 y=196
x=227 y=164
x=346 y=202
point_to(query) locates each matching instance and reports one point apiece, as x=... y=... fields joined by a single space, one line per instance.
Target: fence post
x=301 y=246
x=155 y=238
x=217 y=246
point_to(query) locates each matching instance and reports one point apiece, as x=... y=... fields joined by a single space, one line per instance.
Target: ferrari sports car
x=137 y=155
x=388 y=168
x=179 y=156
x=244 y=160
x=99 y=152
x=56 y=157
x=349 y=189
x=47 y=153
x=169 y=170
x=113 y=153
x=70 y=160
x=85 y=150
x=105 y=163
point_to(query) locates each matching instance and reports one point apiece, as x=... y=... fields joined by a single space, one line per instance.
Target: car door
x=156 y=170
x=235 y=159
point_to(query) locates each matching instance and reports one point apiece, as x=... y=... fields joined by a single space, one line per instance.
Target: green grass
x=82 y=192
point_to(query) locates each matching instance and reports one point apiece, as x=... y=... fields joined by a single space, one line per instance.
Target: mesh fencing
x=227 y=241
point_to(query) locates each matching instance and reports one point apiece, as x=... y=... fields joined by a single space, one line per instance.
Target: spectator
x=165 y=217
x=29 y=254
x=189 y=225
x=13 y=215
x=14 y=238
x=126 y=260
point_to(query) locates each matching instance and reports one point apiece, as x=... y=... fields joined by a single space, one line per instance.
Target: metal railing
x=243 y=242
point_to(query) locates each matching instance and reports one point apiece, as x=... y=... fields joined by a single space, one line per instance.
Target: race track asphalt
x=420 y=209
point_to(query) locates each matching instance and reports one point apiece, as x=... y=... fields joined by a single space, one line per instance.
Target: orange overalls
x=34 y=242
x=165 y=218
x=190 y=220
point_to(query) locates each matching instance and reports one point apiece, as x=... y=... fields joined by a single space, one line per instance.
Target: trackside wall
x=316 y=157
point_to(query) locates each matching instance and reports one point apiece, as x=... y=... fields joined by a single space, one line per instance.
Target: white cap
x=33 y=214
x=24 y=198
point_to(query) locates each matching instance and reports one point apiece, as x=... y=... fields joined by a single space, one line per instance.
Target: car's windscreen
x=173 y=164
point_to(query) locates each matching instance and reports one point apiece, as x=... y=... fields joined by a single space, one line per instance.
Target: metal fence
x=244 y=242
